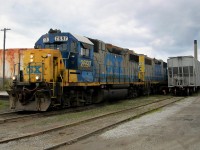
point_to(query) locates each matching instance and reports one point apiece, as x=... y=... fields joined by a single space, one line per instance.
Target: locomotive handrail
x=64 y=60
x=17 y=73
x=62 y=82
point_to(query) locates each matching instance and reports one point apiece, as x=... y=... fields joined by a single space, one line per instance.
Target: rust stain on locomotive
x=12 y=56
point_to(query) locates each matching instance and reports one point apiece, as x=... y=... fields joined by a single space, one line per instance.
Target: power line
x=4 y=47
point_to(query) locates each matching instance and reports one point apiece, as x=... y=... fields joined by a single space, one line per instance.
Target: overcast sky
x=157 y=28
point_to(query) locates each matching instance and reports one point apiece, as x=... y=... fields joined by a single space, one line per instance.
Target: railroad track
x=82 y=129
x=15 y=116
x=18 y=116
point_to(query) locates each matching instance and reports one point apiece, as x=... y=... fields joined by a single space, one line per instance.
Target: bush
x=7 y=83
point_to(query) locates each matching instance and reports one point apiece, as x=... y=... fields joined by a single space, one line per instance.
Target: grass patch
x=4 y=104
x=7 y=84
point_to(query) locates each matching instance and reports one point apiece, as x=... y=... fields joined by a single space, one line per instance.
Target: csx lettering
x=85 y=63
x=34 y=69
x=61 y=38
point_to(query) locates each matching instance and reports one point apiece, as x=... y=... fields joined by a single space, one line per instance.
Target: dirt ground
x=175 y=127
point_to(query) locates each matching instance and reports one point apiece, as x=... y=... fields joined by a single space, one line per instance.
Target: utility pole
x=4 y=48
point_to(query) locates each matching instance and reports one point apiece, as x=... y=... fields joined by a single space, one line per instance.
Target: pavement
x=175 y=127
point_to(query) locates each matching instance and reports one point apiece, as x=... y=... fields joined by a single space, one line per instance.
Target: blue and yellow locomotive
x=67 y=70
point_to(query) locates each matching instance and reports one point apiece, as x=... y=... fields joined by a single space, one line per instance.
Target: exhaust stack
x=195 y=50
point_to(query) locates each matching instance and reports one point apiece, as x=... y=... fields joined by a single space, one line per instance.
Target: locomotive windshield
x=62 y=46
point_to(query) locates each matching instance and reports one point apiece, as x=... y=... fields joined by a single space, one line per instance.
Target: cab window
x=85 y=52
x=73 y=46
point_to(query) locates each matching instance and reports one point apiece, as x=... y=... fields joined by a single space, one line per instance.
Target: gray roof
x=181 y=56
x=82 y=39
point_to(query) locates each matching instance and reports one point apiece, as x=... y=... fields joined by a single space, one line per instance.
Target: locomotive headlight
x=31 y=56
x=14 y=78
x=31 y=60
x=37 y=77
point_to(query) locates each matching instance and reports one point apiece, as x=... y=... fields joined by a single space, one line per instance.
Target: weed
x=4 y=105
x=7 y=84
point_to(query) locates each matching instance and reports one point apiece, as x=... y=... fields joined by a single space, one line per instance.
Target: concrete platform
x=176 y=127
